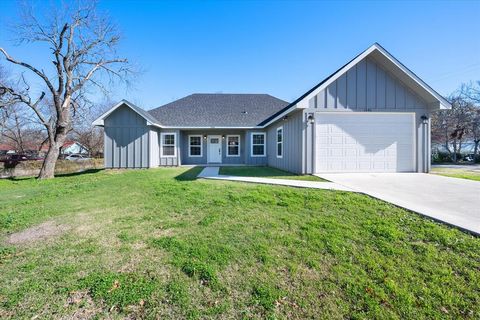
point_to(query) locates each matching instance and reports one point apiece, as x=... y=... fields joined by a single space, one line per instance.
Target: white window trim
x=190 y=149
x=264 y=144
x=162 y=134
x=239 y=143
x=277 y=142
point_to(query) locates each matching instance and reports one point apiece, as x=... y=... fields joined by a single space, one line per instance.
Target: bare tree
x=83 y=46
x=6 y=98
x=13 y=128
x=84 y=132
x=471 y=93
x=475 y=132
x=451 y=127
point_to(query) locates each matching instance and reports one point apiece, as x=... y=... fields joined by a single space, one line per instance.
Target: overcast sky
x=278 y=47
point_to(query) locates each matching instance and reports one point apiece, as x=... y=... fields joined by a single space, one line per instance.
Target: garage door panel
x=365 y=142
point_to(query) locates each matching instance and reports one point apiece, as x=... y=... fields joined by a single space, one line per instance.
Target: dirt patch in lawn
x=83 y=306
x=41 y=232
x=158 y=233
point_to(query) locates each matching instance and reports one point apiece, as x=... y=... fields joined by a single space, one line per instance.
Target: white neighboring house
x=74 y=147
x=69 y=147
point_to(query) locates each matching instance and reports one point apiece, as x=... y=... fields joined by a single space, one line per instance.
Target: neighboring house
x=371 y=115
x=74 y=147
x=7 y=149
x=68 y=147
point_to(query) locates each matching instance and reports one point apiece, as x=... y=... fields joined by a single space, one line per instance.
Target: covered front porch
x=222 y=147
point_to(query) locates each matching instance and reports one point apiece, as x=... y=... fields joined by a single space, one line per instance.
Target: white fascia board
x=444 y=104
x=281 y=115
x=183 y=127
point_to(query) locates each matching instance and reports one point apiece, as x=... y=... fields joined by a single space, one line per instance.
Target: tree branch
x=30 y=67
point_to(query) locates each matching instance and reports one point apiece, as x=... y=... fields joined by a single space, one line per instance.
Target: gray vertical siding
x=293 y=128
x=126 y=140
x=367 y=86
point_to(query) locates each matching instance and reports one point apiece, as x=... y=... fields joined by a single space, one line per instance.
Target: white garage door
x=365 y=142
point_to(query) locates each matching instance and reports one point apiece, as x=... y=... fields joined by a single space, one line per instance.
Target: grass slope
x=265 y=172
x=155 y=243
x=458 y=173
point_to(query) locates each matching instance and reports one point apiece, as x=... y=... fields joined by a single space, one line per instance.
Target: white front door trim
x=214 y=150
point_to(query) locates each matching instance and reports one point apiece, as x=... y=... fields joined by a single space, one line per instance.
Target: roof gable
x=389 y=63
x=144 y=114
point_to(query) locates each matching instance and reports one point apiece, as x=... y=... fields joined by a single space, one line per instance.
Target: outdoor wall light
x=311 y=118
x=205 y=137
x=424 y=119
x=285 y=118
x=223 y=137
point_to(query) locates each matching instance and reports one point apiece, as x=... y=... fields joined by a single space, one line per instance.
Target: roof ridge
x=228 y=93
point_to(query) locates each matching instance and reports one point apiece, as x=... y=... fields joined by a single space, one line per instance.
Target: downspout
x=310 y=143
x=426 y=144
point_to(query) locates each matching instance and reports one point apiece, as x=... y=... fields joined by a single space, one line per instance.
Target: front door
x=214 y=149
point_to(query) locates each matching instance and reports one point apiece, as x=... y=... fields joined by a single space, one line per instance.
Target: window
x=258 y=145
x=280 y=142
x=168 y=144
x=233 y=146
x=195 y=146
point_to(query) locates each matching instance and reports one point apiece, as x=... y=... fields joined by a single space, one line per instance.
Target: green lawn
x=156 y=243
x=457 y=173
x=265 y=172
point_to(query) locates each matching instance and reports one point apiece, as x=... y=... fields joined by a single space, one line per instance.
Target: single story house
x=371 y=115
x=69 y=147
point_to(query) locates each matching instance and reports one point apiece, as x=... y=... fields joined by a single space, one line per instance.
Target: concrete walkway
x=209 y=172
x=450 y=200
x=212 y=173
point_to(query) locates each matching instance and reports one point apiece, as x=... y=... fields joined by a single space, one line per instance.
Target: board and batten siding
x=186 y=159
x=368 y=87
x=126 y=140
x=293 y=128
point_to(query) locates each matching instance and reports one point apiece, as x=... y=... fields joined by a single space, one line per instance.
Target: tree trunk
x=48 y=167
x=475 y=150
x=454 y=155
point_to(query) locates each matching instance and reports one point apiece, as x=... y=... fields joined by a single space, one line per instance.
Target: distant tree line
x=453 y=129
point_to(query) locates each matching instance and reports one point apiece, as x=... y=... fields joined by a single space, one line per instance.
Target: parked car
x=14 y=159
x=469 y=157
x=76 y=157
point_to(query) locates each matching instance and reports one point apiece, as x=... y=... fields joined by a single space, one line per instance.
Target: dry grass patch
x=41 y=232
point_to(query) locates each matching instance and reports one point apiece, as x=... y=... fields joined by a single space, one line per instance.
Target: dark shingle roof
x=218 y=110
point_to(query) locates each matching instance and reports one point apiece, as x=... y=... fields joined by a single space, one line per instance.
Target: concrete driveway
x=451 y=200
